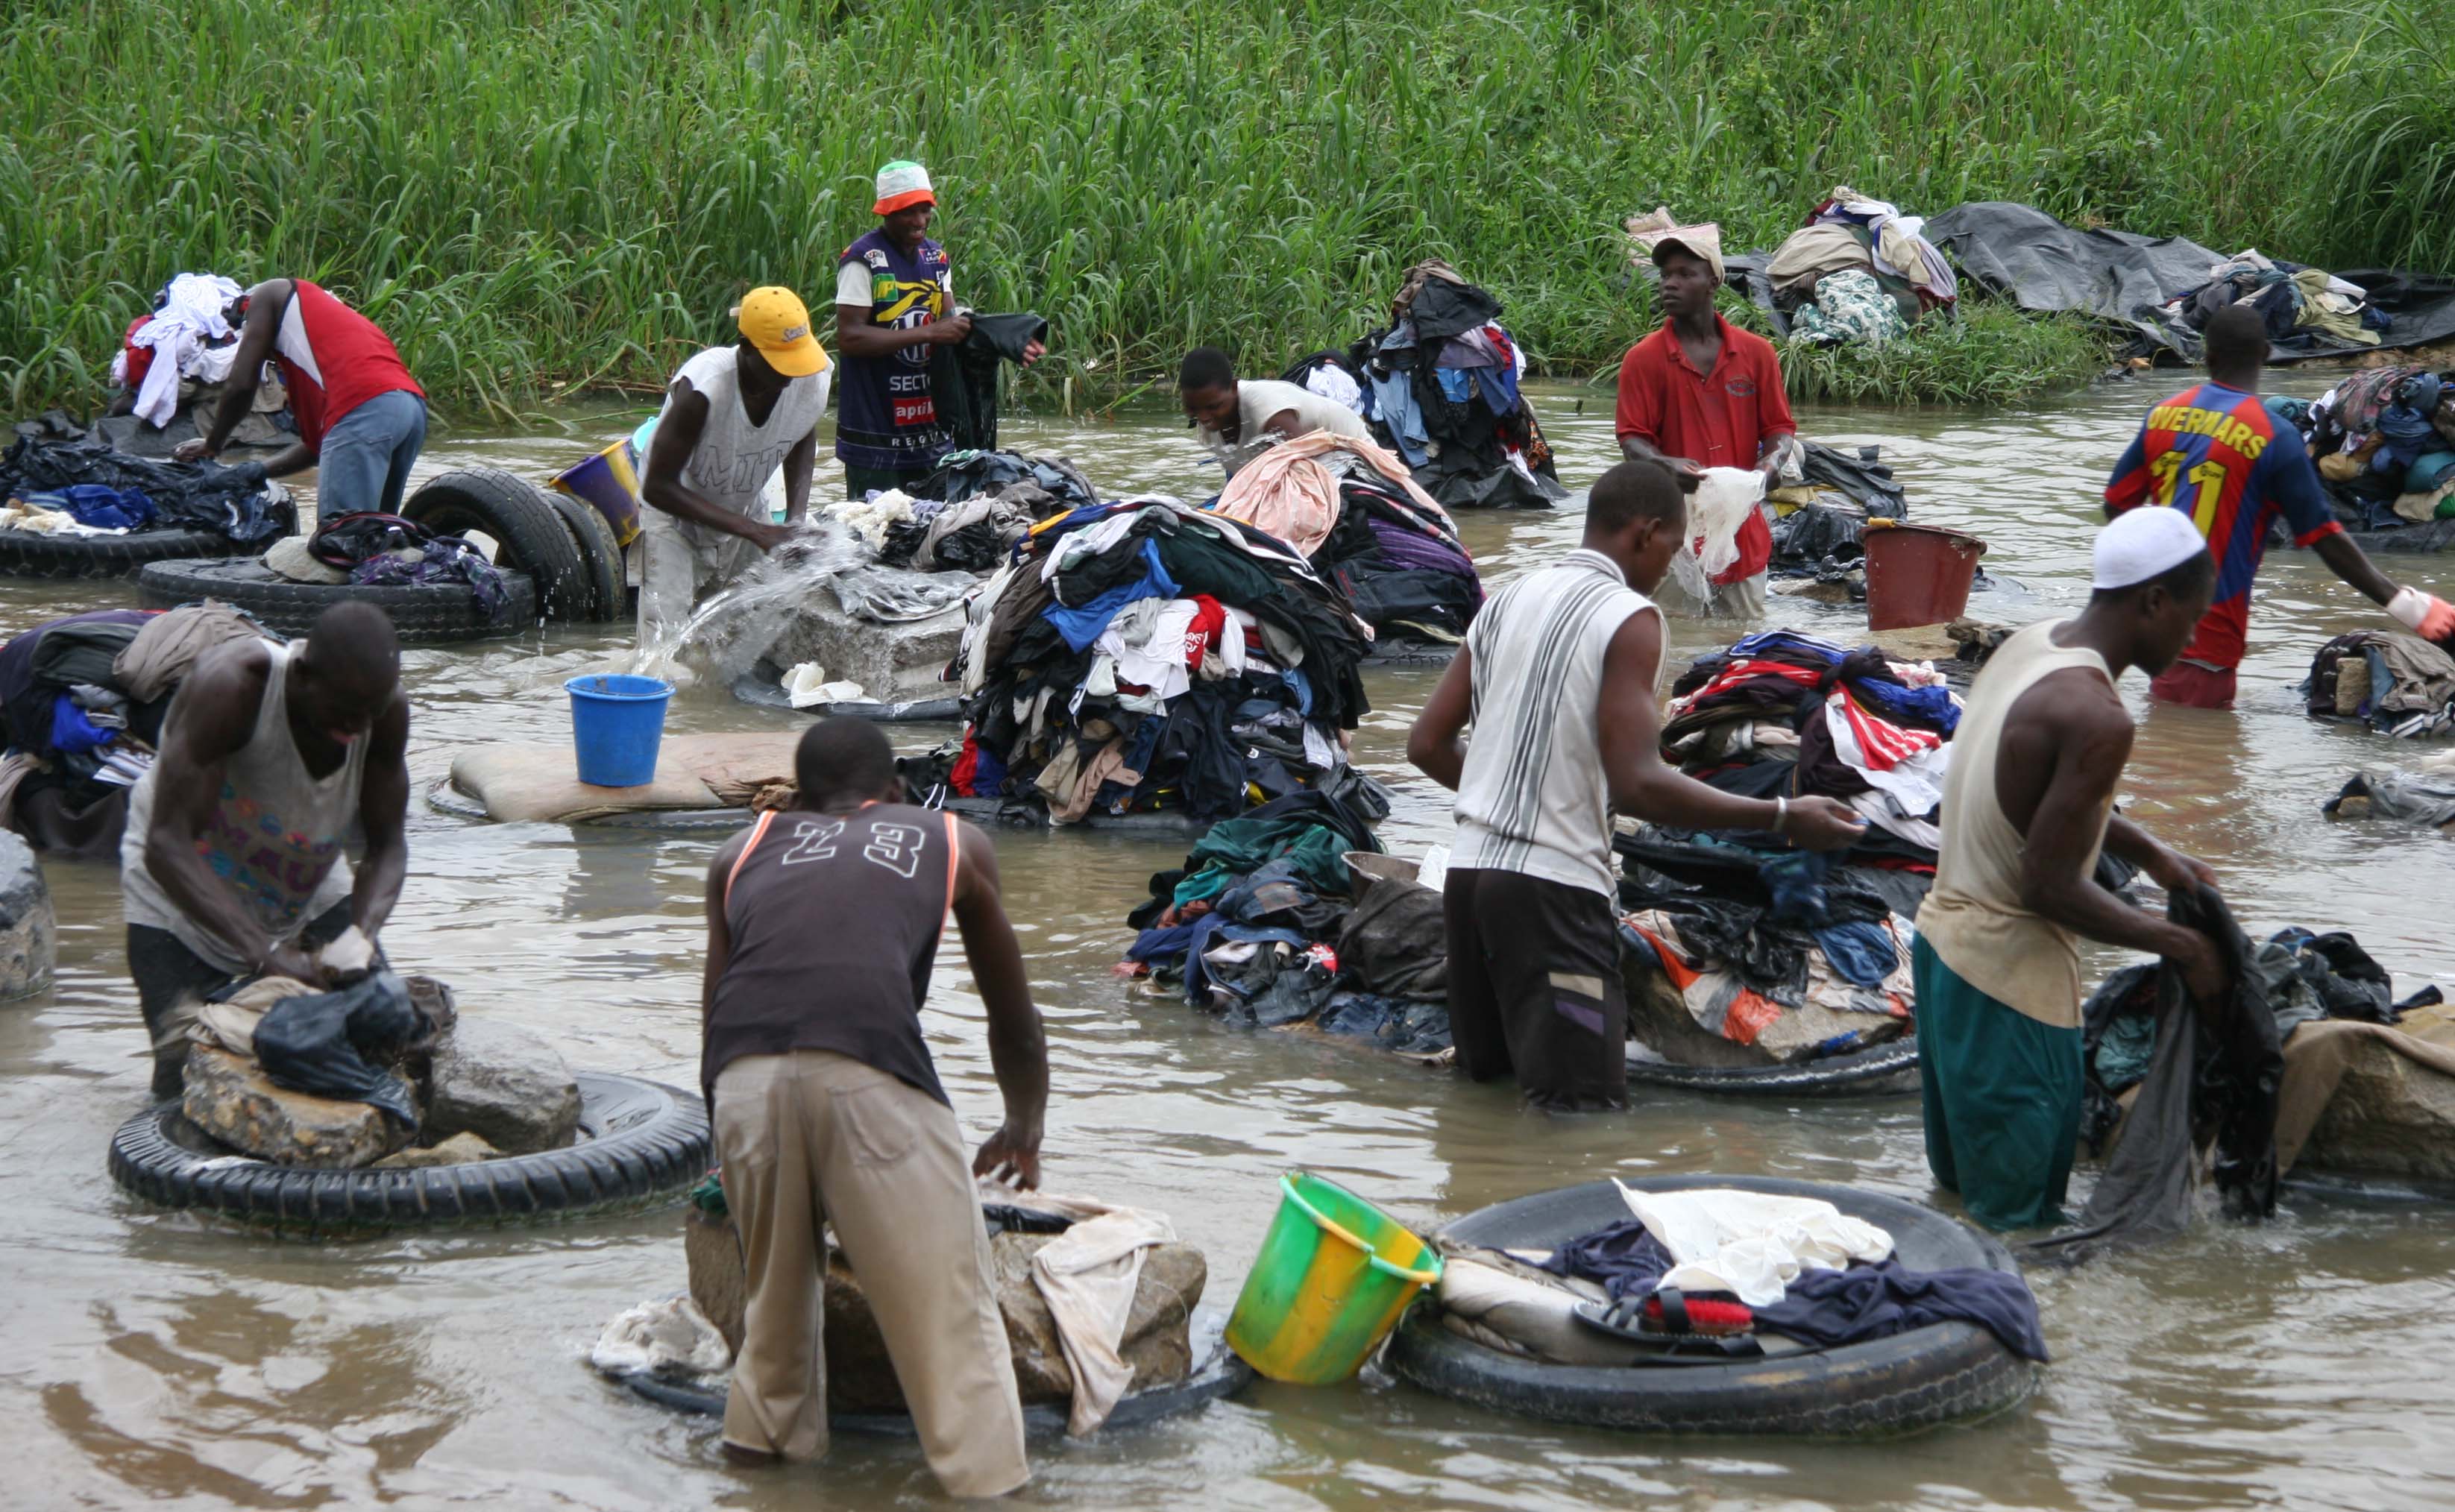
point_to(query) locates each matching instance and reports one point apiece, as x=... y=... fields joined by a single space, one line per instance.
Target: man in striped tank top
x=1557 y=678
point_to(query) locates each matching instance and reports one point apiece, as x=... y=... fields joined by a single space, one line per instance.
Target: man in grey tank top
x=233 y=866
x=1557 y=677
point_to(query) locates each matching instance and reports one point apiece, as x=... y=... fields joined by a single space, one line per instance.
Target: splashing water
x=728 y=633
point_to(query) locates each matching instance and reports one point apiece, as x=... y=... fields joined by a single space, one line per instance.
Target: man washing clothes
x=823 y=924
x=895 y=292
x=232 y=865
x=1558 y=680
x=1234 y=419
x=733 y=416
x=2216 y=452
x=361 y=417
x=2028 y=804
x=1700 y=393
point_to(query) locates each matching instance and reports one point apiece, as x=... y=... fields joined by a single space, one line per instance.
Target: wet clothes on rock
x=1535 y=988
x=172 y=979
x=2219 y=455
x=233 y=500
x=889 y=419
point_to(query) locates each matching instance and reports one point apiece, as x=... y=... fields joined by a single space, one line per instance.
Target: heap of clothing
x=2305 y=309
x=2384 y=439
x=82 y=702
x=1276 y=919
x=1857 y=270
x=386 y=550
x=182 y=344
x=97 y=490
x=1820 y=524
x=2395 y=683
x=1143 y=654
x=1359 y=518
x=1440 y=385
x=970 y=514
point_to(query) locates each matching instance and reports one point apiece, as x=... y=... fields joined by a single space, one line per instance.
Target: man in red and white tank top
x=361 y=416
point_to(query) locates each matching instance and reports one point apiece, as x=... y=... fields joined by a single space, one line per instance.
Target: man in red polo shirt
x=1700 y=393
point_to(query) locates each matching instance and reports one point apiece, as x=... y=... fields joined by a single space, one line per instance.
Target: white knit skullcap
x=2144 y=543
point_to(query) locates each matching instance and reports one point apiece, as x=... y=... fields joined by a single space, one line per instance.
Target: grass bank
x=540 y=196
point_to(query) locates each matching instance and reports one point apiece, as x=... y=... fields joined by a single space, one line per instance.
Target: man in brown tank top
x=822 y=923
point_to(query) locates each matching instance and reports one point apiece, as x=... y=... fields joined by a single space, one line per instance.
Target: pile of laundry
x=1356 y=513
x=179 y=352
x=1143 y=655
x=2305 y=309
x=1291 y=916
x=969 y=514
x=83 y=487
x=1440 y=385
x=2395 y=683
x=2384 y=439
x=373 y=549
x=82 y=702
x=1857 y=270
x=1821 y=516
x=1719 y=1273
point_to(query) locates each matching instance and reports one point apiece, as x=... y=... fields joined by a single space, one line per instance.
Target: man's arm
x=1644 y=785
x=2128 y=488
x=1773 y=408
x=2165 y=866
x=1432 y=743
x=266 y=304
x=857 y=335
x=798 y=463
x=1018 y=1051
x=669 y=452
x=214 y=718
x=719 y=934
x=383 y=804
x=1637 y=419
x=1638 y=449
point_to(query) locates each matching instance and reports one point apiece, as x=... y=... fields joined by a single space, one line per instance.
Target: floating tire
x=641 y=1145
x=1941 y=1373
x=30 y=553
x=424 y=613
x=529 y=533
x=1873 y=1072
x=601 y=554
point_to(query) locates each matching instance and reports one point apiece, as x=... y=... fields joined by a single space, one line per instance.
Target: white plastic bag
x=1720 y=505
x=807 y=686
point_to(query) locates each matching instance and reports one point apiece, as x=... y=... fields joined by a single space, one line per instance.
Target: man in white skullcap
x=2027 y=806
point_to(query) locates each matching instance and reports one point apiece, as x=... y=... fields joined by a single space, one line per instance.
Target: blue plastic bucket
x=616 y=724
x=610 y=480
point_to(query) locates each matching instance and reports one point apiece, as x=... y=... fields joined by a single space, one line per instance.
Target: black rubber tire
x=528 y=530
x=601 y=554
x=26 y=553
x=1881 y=1069
x=424 y=613
x=1941 y=1373
x=641 y=1145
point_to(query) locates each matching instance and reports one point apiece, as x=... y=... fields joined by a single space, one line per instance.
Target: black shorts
x=1535 y=987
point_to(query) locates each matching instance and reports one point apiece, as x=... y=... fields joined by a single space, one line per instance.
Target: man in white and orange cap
x=733 y=415
x=895 y=292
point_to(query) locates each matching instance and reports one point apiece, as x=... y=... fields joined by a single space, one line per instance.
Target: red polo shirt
x=1721 y=420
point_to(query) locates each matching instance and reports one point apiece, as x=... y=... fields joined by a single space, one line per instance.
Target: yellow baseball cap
x=779 y=325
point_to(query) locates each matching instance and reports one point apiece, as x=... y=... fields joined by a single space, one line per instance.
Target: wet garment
x=889 y=416
x=334 y=359
x=233 y=500
x=2220 y=455
x=166 y=648
x=172 y=981
x=1534 y=986
x=964 y=377
x=2002 y=1095
x=1533 y=797
x=1975 y=919
x=274 y=837
x=856 y=900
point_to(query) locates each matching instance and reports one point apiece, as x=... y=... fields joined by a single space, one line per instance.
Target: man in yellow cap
x=895 y=294
x=733 y=415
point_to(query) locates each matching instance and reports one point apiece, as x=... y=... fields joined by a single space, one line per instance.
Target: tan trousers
x=812 y=1138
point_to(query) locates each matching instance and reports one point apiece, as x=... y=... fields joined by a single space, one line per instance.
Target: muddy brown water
x=151 y=1357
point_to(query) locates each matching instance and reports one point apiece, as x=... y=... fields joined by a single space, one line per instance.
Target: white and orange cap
x=902 y=184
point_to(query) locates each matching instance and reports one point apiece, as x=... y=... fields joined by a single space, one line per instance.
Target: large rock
x=503 y=1084
x=861 y=1377
x=234 y=1102
x=2390 y=1116
x=26 y=929
x=893 y=663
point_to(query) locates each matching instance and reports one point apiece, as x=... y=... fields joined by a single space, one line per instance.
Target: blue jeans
x=368 y=454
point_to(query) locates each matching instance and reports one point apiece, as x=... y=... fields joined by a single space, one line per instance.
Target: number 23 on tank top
x=896 y=847
x=2209 y=478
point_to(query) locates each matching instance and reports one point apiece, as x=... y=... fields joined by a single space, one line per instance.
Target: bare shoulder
x=2071 y=708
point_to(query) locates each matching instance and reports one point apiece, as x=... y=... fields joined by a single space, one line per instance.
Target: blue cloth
x=103 y=507
x=1393 y=395
x=1301 y=685
x=1457 y=384
x=1206 y=933
x=1863 y=954
x=1796 y=879
x=71 y=732
x=1930 y=705
x=1161 y=946
x=1789 y=645
x=2432 y=469
x=365 y=460
x=988 y=772
x=1499 y=389
x=1082 y=626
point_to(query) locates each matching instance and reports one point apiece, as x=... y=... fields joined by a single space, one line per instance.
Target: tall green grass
x=533 y=195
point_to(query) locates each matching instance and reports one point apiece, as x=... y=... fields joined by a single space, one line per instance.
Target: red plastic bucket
x=1917 y=574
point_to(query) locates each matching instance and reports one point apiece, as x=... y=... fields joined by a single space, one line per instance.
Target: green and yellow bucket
x=1334 y=1275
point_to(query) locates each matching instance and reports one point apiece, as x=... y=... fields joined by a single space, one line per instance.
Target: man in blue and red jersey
x=2216 y=452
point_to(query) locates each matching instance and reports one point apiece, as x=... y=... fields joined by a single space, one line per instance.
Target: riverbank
x=539 y=202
